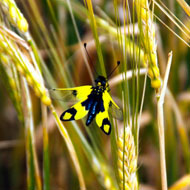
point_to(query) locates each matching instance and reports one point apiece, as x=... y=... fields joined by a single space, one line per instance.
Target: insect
x=95 y=102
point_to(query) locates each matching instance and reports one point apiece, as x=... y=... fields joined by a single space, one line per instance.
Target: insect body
x=94 y=101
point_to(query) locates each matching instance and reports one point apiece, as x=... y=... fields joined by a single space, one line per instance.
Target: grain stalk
x=93 y=24
x=80 y=42
x=160 y=117
x=32 y=162
x=46 y=165
x=70 y=147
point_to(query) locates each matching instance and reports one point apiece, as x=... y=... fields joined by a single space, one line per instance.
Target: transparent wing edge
x=112 y=108
x=116 y=112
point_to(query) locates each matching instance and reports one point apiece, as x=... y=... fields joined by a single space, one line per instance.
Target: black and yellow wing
x=77 y=111
x=70 y=94
x=102 y=118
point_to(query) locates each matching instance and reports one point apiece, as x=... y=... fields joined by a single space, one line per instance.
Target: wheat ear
x=147 y=28
x=127 y=161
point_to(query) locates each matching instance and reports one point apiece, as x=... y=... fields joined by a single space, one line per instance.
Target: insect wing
x=76 y=112
x=102 y=118
x=65 y=96
x=70 y=94
x=115 y=111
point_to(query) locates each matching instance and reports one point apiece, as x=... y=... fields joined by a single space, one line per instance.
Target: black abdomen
x=94 y=104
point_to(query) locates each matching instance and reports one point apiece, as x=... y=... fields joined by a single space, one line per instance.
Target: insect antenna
x=118 y=63
x=90 y=60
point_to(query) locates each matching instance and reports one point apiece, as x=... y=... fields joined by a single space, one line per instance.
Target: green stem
x=46 y=167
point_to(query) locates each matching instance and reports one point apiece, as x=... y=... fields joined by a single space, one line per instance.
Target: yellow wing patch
x=67 y=116
x=74 y=113
x=106 y=128
x=81 y=111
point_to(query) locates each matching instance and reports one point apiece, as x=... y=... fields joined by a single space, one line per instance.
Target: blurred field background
x=41 y=47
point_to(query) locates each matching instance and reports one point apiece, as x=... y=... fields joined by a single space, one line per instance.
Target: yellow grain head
x=149 y=42
x=127 y=161
x=13 y=54
x=14 y=15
